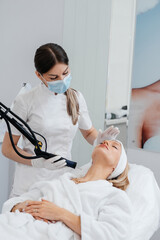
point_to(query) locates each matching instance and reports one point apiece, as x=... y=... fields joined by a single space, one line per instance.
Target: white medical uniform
x=46 y=113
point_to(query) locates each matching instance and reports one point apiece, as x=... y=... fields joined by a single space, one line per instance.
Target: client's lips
x=103 y=145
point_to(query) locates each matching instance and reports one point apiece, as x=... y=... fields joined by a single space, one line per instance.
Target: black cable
x=21 y=120
x=13 y=145
x=43 y=139
x=37 y=150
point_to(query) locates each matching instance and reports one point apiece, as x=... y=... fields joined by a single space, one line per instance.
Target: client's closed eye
x=115 y=147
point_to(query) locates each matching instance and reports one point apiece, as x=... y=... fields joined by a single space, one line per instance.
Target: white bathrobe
x=105 y=212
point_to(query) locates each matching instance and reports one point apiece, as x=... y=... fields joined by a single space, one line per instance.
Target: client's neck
x=96 y=172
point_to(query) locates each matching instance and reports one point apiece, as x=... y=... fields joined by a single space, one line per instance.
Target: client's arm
x=51 y=212
x=71 y=220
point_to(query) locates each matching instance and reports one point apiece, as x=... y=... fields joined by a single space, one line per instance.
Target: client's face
x=107 y=153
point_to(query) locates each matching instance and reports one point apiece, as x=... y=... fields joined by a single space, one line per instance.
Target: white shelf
x=116 y=121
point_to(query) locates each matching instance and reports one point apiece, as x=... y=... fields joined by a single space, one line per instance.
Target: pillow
x=144 y=194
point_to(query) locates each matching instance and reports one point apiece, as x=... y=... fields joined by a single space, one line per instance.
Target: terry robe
x=105 y=212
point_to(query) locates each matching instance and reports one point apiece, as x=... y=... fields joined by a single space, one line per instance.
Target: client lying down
x=83 y=204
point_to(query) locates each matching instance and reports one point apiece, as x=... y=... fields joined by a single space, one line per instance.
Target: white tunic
x=46 y=113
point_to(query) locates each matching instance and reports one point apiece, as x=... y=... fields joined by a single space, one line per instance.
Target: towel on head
x=121 y=164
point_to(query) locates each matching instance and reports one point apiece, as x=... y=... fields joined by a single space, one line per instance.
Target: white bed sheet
x=144 y=194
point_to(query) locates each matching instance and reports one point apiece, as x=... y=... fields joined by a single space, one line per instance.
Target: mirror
x=144 y=118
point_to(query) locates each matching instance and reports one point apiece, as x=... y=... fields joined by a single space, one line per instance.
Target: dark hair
x=46 y=57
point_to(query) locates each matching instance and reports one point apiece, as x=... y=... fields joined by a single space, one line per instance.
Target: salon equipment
x=23 y=127
x=117 y=114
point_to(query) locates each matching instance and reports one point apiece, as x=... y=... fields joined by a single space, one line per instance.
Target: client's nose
x=105 y=142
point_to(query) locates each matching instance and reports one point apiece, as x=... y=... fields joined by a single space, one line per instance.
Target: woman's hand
x=20 y=206
x=49 y=212
x=44 y=210
x=109 y=134
x=51 y=163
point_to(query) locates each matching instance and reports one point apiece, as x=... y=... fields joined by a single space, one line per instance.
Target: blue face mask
x=60 y=86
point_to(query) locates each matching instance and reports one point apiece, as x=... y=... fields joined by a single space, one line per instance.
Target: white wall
x=24 y=26
x=123 y=17
x=86 y=40
x=4 y=179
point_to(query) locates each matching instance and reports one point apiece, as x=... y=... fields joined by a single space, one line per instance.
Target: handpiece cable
x=13 y=145
x=30 y=136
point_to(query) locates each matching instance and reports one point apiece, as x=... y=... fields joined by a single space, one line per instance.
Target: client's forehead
x=116 y=142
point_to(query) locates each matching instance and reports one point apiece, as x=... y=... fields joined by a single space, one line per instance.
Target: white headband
x=121 y=164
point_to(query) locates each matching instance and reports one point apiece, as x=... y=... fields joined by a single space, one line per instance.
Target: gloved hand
x=109 y=134
x=48 y=163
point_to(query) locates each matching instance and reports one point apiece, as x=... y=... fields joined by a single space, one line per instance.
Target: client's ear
x=111 y=172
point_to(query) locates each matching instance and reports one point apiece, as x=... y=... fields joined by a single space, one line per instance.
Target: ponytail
x=72 y=105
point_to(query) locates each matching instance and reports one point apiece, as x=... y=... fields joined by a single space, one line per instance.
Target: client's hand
x=109 y=134
x=44 y=210
x=20 y=206
x=50 y=163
